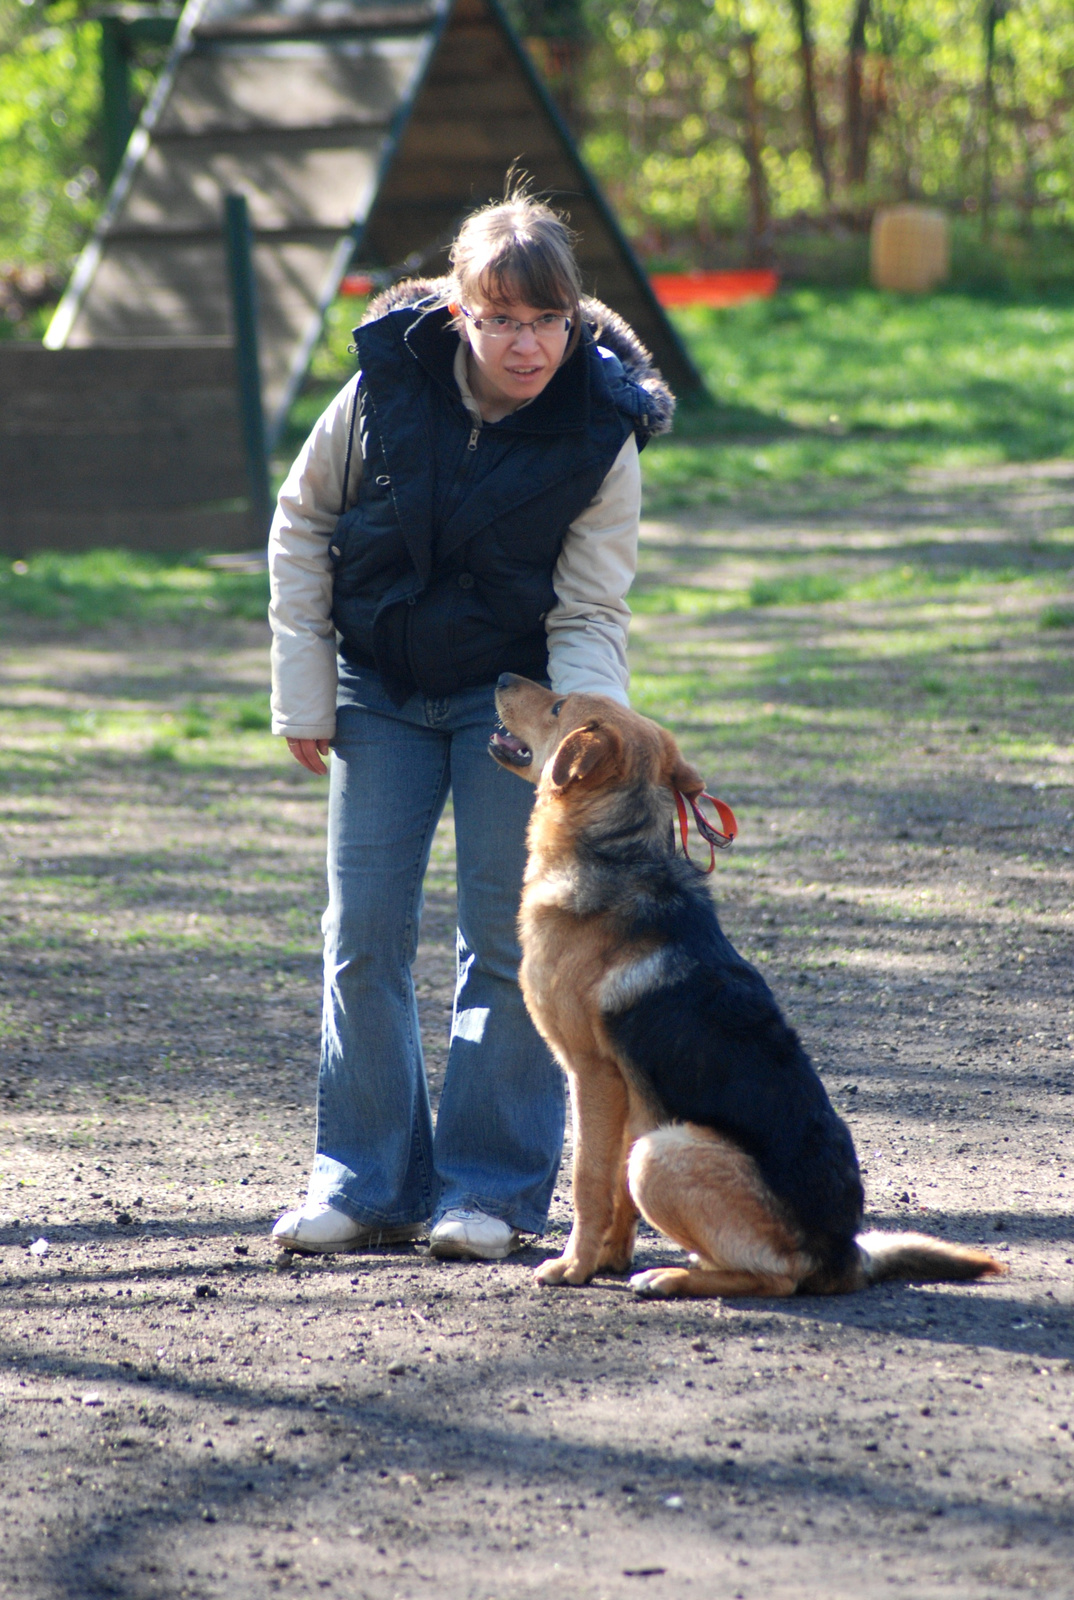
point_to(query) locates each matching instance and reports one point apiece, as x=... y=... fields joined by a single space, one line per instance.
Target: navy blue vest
x=443 y=566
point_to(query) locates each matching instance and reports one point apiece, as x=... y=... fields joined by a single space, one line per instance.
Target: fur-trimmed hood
x=610 y=331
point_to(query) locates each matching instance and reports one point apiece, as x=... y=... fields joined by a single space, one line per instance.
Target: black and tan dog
x=694 y=1102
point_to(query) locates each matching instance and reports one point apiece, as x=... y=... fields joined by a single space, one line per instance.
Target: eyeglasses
x=550 y=325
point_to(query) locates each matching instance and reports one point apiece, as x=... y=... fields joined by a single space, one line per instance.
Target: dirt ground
x=183 y=1414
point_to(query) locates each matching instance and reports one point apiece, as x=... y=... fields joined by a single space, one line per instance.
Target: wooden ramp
x=359 y=132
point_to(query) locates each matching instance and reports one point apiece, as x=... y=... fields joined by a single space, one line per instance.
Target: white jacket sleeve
x=300 y=576
x=587 y=627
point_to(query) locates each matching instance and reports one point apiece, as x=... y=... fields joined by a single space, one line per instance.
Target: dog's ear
x=584 y=756
x=681 y=774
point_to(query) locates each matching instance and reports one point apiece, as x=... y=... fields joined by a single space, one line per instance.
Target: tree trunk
x=858 y=119
x=810 y=110
x=753 y=146
x=994 y=12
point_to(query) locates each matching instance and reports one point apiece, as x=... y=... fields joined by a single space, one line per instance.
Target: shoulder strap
x=350 y=452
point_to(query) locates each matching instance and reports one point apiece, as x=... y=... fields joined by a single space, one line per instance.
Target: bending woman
x=468 y=505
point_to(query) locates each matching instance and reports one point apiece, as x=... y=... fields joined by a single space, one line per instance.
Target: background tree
x=48 y=105
x=864 y=102
x=810 y=110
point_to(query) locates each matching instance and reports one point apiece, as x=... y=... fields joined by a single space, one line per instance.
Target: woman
x=468 y=505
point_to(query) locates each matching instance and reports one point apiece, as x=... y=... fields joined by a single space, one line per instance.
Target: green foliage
x=49 y=183
x=104 y=586
x=668 y=119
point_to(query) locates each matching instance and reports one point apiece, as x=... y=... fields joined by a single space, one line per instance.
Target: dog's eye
x=558 y=707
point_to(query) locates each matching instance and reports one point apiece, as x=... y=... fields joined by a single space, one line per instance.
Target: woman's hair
x=519 y=249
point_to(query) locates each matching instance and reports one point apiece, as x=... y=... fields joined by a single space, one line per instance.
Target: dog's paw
x=657 y=1284
x=561 y=1269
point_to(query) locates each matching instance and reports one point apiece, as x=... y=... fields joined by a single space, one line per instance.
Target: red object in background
x=670 y=288
x=713 y=288
x=356 y=284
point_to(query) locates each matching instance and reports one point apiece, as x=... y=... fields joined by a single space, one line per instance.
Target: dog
x=694 y=1102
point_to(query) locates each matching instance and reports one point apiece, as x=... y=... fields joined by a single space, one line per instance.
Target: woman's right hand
x=308 y=753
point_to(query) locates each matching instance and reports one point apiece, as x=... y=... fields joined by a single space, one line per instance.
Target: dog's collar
x=713 y=837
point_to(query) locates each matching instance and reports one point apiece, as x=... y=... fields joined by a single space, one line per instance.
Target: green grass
x=802 y=589
x=101 y=586
x=833 y=397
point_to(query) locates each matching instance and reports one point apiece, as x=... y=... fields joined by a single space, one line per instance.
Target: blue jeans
x=499 y=1129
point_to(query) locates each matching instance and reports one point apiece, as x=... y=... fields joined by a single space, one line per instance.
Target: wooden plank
x=412 y=179
x=115 y=409
x=290 y=86
x=497 y=95
x=306 y=22
x=467 y=52
x=117 y=430
x=480 y=139
x=165 y=455
x=470 y=13
x=148 y=469
x=26 y=532
x=86 y=372
x=329 y=134
x=312 y=179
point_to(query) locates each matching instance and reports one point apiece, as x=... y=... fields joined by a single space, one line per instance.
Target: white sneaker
x=318 y=1229
x=464 y=1235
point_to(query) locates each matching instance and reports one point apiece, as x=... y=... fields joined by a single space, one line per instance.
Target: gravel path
x=183 y=1415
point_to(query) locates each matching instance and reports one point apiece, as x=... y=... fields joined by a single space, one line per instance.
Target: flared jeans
x=499 y=1128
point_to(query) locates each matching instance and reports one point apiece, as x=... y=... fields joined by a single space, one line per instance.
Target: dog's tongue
x=507 y=741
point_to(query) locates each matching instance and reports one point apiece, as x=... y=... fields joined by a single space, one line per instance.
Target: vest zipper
x=474 y=431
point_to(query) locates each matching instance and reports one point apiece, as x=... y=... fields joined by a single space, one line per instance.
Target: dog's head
x=581 y=745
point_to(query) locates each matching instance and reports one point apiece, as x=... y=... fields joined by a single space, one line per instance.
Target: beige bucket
x=909 y=249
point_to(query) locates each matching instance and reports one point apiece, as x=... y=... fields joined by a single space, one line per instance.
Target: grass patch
x=804 y=588
x=1057 y=617
x=669 y=600
x=832 y=397
x=97 y=587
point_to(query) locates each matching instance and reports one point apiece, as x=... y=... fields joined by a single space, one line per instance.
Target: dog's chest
x=563 y=958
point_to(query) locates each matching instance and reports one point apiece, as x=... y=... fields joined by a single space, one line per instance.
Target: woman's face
x=508 y=369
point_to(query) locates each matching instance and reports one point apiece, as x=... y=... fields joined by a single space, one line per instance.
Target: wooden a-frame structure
x=358 y=130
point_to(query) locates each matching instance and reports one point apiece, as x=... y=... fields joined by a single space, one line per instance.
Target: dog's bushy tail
x=917 y=1258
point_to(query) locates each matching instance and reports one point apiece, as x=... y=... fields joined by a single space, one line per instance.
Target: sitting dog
x=694 y=1102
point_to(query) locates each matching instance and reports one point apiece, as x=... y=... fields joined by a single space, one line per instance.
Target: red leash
x=715 y=839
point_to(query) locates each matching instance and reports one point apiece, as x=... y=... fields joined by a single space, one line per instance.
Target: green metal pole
x=238 y=240
x=116 y=119
x=120 y=38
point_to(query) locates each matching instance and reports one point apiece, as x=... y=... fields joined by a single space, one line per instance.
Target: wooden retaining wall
x=133 y=447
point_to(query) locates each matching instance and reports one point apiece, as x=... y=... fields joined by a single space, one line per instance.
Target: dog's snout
x=507 y=680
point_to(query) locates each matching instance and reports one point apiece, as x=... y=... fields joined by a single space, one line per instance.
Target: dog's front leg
x=617 y=1250
x=599 y=1103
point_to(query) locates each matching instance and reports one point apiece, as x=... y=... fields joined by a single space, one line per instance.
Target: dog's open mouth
x=508 y=747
